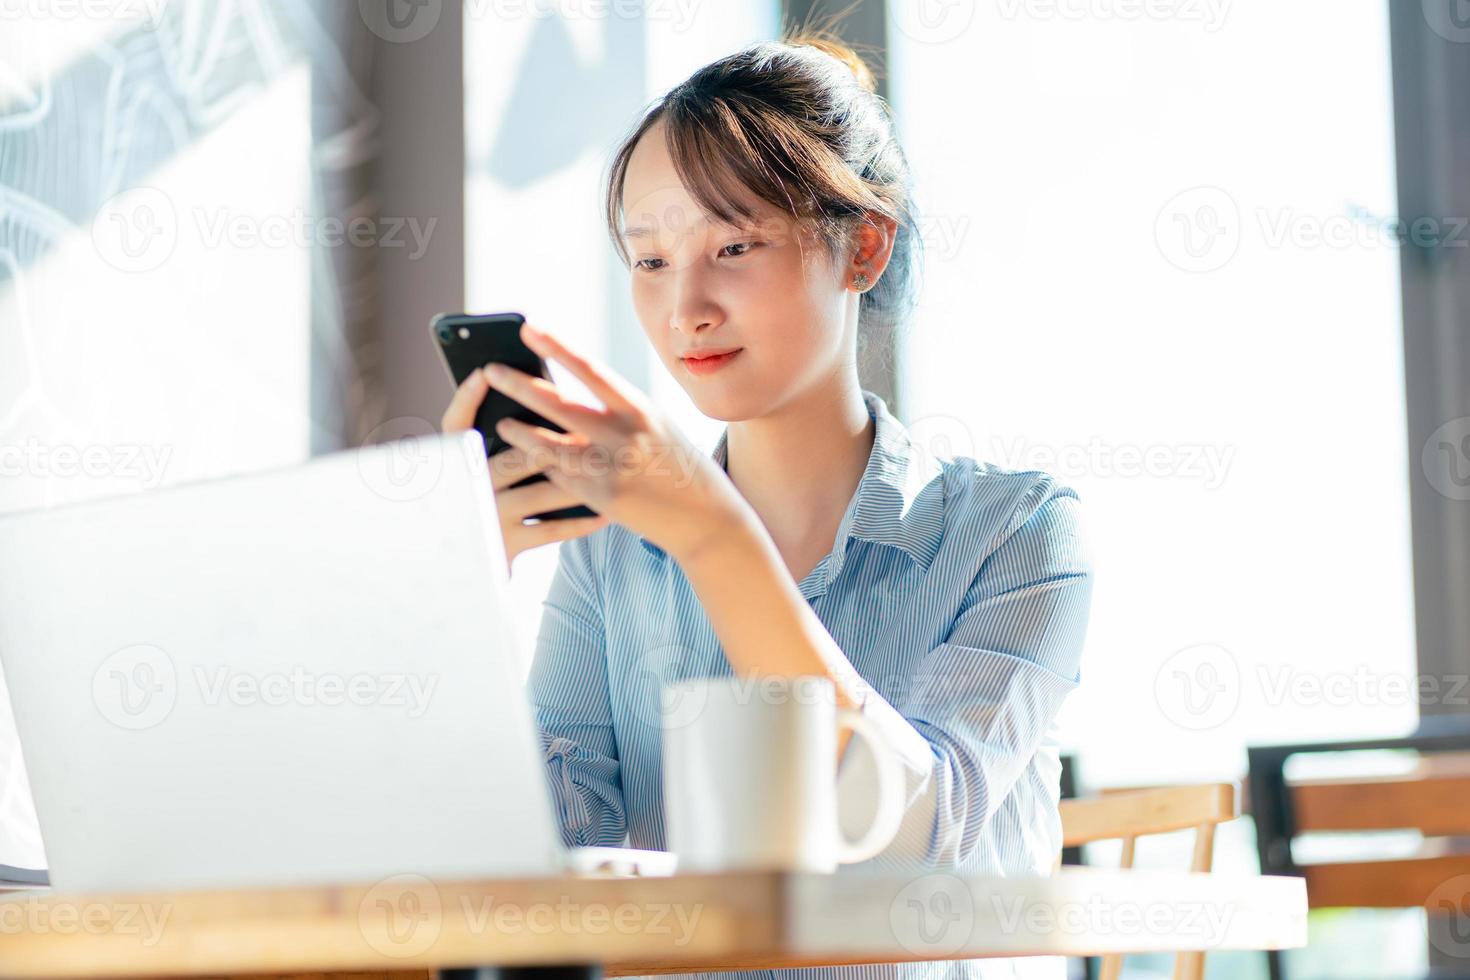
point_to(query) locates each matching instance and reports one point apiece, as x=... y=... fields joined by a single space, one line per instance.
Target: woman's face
x=762 y=289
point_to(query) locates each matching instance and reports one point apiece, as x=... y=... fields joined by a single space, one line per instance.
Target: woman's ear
x=874 y=238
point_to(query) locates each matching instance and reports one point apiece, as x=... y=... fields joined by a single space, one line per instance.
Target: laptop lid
x=290 y=677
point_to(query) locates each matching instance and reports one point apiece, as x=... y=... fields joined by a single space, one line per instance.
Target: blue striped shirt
x=957 y=589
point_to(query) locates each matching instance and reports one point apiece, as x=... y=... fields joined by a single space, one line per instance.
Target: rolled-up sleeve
x=568 y=690
x=974 y=713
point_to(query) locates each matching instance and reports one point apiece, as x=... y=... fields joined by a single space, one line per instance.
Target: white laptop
x=292 y=677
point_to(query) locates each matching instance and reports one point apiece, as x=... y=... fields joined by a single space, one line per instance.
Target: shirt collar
x=899 y=501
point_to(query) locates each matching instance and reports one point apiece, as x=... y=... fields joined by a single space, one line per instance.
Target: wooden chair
x=1128 y=814
x=1432 y=797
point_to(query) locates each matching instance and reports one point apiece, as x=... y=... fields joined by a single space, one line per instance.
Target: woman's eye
x=654 y=264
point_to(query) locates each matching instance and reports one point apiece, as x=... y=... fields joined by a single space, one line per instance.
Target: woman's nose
x=693 y=310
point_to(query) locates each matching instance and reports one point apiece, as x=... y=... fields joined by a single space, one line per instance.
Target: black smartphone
x=470 y=341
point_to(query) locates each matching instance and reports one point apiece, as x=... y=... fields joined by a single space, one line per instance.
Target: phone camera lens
x=444 y=334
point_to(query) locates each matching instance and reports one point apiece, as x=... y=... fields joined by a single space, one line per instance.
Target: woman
x=763 y=209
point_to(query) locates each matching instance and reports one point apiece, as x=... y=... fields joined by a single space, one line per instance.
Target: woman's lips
x=709 y=365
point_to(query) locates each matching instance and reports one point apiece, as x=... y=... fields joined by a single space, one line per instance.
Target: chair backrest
x=1128 y=814
x=1432 y=797
x=1429 y=798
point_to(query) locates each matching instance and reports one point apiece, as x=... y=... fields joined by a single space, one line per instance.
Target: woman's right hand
x=515 y=504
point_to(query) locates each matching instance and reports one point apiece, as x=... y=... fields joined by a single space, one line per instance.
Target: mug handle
x=885 y=823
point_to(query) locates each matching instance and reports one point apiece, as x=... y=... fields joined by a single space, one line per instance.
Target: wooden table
x=557 y=927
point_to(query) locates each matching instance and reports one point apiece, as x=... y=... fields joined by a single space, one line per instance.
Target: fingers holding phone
x=460 y=415
x=515 y=504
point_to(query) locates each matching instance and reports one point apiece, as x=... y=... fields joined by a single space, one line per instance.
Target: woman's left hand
x=625 y=460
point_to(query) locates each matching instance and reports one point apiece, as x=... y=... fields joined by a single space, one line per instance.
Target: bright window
x=1153 y=269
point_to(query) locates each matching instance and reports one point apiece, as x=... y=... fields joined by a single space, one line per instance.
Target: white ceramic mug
x=750 y=775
